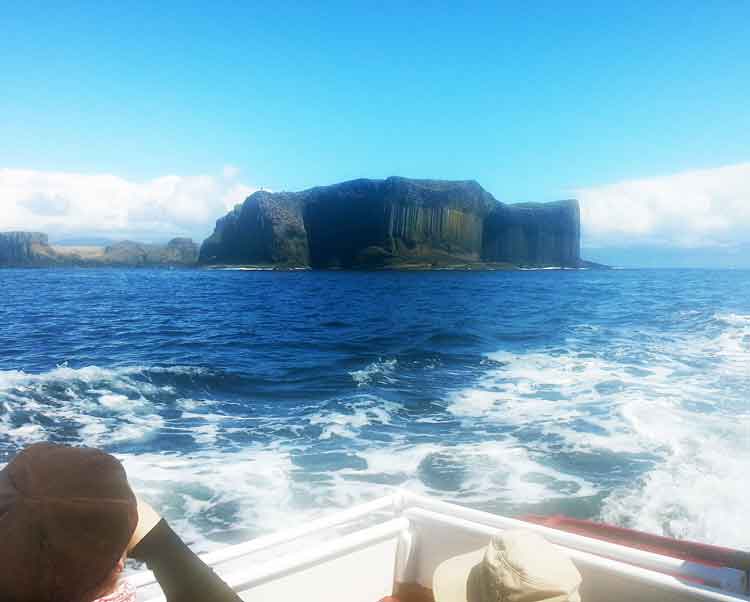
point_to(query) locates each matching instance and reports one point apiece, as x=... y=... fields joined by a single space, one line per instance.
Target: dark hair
x=66 y=517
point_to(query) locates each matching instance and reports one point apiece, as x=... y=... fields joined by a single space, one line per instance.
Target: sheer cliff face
x=534 y=234
x=393 y=221
x=25 y=249
x=398 y=221
x=266 y=229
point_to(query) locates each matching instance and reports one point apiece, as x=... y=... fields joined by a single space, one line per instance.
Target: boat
x=387 y=550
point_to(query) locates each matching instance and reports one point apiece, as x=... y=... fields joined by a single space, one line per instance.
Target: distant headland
x=32 y=249
x=396 y=223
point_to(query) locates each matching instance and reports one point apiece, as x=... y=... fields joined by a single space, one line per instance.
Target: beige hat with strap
x=516 y=566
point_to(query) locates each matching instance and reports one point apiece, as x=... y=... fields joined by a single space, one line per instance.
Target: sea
x=242 y=402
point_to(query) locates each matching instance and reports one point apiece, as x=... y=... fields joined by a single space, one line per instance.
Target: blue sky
x=535 y=102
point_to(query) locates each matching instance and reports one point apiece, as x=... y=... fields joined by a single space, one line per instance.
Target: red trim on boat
x=684 y=550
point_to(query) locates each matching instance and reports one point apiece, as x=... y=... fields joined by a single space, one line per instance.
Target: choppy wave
x=232 y=475
x=668 y=417
x=238 y=410
x=357 y=413
x=379 y=370
x=92 y=405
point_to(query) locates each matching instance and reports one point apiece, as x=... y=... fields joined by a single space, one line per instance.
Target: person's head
x=110 y=582
x=66 y=517
x=516 y=566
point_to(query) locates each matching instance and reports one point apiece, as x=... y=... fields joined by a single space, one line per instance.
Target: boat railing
x=388 y=533
x=661 y=572
x=723 y=578
x=329 y=551
x=391 y=526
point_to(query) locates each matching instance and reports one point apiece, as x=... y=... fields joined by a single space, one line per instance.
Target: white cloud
x=64 y=203
x=700 y=208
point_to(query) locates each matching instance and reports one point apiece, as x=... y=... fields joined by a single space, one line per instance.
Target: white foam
x=700 y=490
x=696 y=487
x=27 y=434
x=535 y=387
x=206 y=434
x=252 y=490
x=116 y=402
x=379 y=370
x=543 y=269
x=682 y=402
x=258 y=489
x=734 y=319
x=105 y=406
x=485 y=472
x=246 y=269
x=360 y=412
x=733 y=345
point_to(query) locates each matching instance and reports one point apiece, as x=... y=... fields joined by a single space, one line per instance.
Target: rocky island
x=32 y=249
x=395 y=223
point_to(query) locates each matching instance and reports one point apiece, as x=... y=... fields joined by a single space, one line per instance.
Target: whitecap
x=677 y=405
x=359 y=413
x=381 y=370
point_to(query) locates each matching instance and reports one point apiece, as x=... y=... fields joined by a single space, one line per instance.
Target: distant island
x=32 y=249
x=396 y=223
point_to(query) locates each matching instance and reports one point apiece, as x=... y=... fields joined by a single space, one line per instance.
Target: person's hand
x=147 y=519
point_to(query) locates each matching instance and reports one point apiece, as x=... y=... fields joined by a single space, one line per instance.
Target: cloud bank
x=66 y=204
x=708 y=208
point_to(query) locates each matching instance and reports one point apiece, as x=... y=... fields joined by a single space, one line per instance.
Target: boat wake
x=650 y=432
x=660 y=424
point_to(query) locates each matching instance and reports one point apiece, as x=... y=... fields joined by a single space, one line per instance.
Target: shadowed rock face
x=393 y=222
x=26 y=249
x=387 y=222
x=534 y=234
x=32 y=249
x=269 y=229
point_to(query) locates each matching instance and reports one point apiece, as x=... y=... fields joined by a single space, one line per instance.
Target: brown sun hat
x=66 y=517
x=516 y=566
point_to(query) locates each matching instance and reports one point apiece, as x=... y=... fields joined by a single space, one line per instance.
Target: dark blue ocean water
x=242 y=402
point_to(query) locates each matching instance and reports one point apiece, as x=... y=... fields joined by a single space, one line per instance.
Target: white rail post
x=404 y=571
